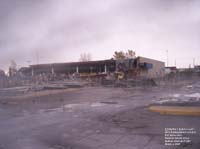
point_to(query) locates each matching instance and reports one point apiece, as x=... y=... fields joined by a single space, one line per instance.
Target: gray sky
x=47 y=31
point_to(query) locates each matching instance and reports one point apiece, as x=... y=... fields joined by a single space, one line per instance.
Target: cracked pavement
x=91 y=118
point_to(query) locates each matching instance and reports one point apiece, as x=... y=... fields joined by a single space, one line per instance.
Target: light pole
x=175 y=62
x=37 y=57
x=193 y=62
x=167 y=57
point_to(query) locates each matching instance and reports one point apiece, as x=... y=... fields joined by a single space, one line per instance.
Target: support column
x=90 y=69
x=105 y=69
x=77 y=70
x=32 y=72
x=52 y=70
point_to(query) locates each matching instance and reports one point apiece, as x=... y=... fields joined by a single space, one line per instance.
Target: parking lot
x=96 y=117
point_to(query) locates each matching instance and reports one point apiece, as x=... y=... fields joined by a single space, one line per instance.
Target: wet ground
x=96 y=118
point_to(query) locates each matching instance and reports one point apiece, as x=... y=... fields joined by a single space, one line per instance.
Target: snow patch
x=97 y=104
x=194 y=95
x=71 y=105
x=168 y=100
x=176 y=95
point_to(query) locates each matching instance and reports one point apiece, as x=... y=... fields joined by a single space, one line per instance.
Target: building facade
x=132 y=67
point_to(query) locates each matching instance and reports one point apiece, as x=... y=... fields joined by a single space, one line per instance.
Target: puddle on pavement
x=94 y=104
x=88 y=105
x=51 y=110
x=109 y=102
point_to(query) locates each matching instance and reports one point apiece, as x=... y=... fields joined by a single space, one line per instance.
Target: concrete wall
x=157 y=71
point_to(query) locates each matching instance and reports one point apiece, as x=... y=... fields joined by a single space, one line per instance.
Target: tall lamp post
x=194 y=62
x=167 y=57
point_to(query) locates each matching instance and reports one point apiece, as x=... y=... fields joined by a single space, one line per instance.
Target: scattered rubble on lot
x=74 y=113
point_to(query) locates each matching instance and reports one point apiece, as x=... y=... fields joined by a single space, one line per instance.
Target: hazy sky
x=46 y=31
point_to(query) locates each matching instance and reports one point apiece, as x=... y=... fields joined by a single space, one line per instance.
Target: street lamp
x=167 y=57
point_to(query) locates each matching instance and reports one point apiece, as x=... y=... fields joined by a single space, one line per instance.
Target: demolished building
x=132 y=67
x=197 y=68
x=3 y=79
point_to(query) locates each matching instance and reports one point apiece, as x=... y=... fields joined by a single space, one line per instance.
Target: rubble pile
x=129 y=82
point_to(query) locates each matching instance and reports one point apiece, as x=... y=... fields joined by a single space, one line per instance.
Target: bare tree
x=119 y=55
x=84 y=57
x=124 y=55
x=12 y=68
x=130 y=54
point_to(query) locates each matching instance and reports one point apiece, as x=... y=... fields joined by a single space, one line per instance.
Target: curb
x=176 y=110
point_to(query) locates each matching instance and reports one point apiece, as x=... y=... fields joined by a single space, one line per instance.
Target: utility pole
x=193 y=62
x=167 y=57
x=175 y=62
x=37 y=57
